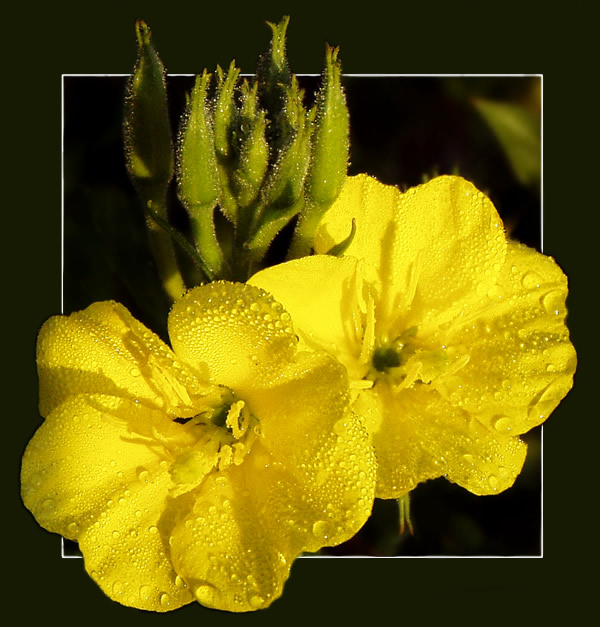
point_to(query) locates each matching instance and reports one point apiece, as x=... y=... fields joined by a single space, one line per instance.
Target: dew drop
x=73 y=527
x=503 y=425
x=493 y=481
x=531 y=280
x=165 y=599
x=256 y=601
x=48 y=506
x=340 y=427
x=145 y=592
x=495 y=293
x=321 y=530
x=205 y=595
x=552 y=302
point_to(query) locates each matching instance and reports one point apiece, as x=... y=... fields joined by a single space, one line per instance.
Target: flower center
x=384 y=358
x=389 y=358
x=224 y=435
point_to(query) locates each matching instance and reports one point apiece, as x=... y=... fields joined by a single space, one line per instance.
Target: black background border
x=97 y=38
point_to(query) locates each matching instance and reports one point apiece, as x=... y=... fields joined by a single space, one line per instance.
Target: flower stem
x=404 y=515
x=164 y=254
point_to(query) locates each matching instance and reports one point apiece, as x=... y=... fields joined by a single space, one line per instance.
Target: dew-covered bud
x=148 y=143
x=225 y=118
x=329 y=158
x=197 y=176
x=253 y=148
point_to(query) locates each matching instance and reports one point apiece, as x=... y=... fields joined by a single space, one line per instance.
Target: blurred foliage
x=403 y=130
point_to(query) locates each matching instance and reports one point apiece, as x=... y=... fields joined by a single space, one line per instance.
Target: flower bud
x=285 y=185
x=148 y=143
x=273 y=73
x=224 y=117
x=198 y=180
x=329 y=158
x=253 y=149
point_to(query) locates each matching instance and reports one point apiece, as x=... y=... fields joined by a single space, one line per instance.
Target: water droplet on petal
x=321 y=530
x=205 y=595
x=531 y=280
x=165 y=599
x=552 y=302
x=48 y=506
x=256 y=601
x=503 y=425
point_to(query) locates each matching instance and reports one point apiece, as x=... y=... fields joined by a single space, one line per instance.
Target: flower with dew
x=453 y=337
x=201 y=471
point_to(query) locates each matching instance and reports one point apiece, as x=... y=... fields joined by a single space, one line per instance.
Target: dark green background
x=91 y=38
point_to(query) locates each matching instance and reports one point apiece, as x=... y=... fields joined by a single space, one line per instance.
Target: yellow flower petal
x=321 y=293
x=92 y=473
x=322 y=447
x=236 y=546
x=104 y=349
x=521 y=362
x=426 y=250
x=236 y=331
x=420 y=436
x=230 y=549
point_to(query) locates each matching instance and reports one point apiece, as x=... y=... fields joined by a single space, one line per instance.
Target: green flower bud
x=273 y=73
x=253 y=150
x=148 y=143
x=198 y=179
x=329 y=156
x=284 y=188
x=330 y=143
x=225 y=117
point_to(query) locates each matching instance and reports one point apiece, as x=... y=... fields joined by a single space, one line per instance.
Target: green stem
x=164 y=254
x=404 y=514
x=203 y=228
x=304 y=235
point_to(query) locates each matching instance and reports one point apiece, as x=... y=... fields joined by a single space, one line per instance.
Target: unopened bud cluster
x=248 y=148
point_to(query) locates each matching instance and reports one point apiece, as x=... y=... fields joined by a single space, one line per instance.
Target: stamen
x=368 y=340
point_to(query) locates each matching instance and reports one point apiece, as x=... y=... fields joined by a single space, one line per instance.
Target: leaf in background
x=518 y=131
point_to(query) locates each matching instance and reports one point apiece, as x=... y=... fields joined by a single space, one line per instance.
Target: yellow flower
x=197 y=472
x=453 y=337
